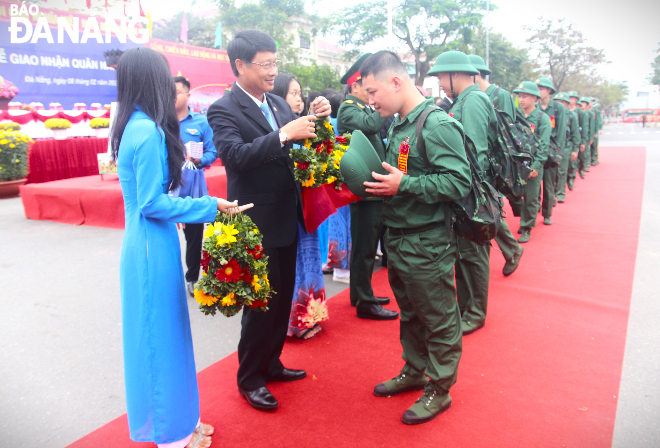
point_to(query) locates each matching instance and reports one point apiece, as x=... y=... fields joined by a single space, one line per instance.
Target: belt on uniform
x=434 y=225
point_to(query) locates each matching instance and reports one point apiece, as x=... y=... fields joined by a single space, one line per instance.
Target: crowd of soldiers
x=441 y=282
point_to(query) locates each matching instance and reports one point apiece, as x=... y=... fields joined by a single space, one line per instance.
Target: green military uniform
x=504 y=101
x=543 y=128
x=557 y=116
x=366 y=214
x=599 y=125
x=585 y=125
x=571 y=144
x=576 y=140
x=420 y=257
x=473 y=110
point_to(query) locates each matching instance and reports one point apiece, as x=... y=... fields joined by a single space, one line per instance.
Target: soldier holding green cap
x=472 y=108
x=558 y=122
x=585 y=124
x=366 y=215
x=501 y=100
x=571 y=147
x=528 y=95
x=574 y=108
x=420 y=253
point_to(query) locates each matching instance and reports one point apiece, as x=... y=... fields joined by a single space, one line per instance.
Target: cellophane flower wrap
x=235 y=269
x=317 y=160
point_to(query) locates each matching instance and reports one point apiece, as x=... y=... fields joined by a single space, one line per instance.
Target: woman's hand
x=231 y=208
x=321 y=107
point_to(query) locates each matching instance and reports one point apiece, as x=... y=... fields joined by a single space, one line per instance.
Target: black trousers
x=194 y=237
x=366 y=223
x=263 y=333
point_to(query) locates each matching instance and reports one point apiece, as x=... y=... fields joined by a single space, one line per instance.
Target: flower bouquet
x=7 y=89
x=99 y=123
x=57 y=123
x=235 y=270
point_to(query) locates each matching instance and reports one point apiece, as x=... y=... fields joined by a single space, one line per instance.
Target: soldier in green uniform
x=571 y=146
x=528 y=95
x=470 y=107
x=558 y=122
x=421 y=255
x=366 y=214
x=577 y=112
x=599 y=125
x=585 y=125
x=501 y=100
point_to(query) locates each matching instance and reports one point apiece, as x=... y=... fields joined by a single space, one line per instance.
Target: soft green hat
x=545 y=82
x=357 y=164
x=355 y=68
x=585 y=99
x=528 y=87
x=563 y=96
x=573 y=94
x=478 y=63
x=453 y=61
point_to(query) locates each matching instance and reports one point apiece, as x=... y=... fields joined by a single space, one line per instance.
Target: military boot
x=526 y=235
x=431 y=404
x=511 y=265
x=403 y=382
x=571 y=183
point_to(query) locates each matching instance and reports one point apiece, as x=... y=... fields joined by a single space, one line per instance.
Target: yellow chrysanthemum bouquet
x=235 y=270
x=317 y=160
x=14 y=147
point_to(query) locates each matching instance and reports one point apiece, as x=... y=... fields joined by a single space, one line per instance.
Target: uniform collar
x=466 y=92
x=190 y=114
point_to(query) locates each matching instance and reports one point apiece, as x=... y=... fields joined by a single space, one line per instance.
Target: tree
x=201 y=31
x=610 y=94
x=562 y=52
x=425 y=27
x=314 y=77
x=509 y=65
x=655 y=65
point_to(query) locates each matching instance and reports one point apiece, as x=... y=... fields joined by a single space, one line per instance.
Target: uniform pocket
x=430 y=244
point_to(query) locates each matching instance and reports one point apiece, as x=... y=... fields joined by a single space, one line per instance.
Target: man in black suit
x=253 y=131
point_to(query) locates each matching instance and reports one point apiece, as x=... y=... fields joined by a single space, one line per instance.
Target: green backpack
x=477 y=216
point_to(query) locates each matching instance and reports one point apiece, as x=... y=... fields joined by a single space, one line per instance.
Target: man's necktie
x=267 y=113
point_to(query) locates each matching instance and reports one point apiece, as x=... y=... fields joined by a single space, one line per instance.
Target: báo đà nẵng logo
x=22 y=30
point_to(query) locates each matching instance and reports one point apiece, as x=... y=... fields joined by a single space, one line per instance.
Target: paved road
x=61 y=362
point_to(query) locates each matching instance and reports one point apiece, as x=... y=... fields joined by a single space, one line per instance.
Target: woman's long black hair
x=282 y=83
x=144 y=79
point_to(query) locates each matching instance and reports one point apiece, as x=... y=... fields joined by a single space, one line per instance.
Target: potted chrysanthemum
x=102 y=126
x=7 y=92
x=58 y=126
x=13 y=160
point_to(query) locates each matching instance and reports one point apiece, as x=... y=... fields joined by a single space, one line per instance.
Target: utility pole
x=390 y=35
x=487 y=38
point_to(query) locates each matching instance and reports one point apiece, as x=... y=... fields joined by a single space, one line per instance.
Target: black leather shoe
x=377 y=312
x=380 y=300
x=288 y=375
x=190 y=286
x=260 y=398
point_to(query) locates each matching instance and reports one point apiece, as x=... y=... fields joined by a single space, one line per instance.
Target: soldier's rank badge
x=404 y=149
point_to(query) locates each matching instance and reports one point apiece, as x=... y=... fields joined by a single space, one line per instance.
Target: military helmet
x=528 y=87
x=478 y=63
x=545 y=82
x=453 y=61
x=585 y=99
x=357 y=164
x=563 y=96
x=573 y=94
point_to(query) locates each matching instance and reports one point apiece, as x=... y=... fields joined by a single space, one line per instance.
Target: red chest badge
x=531 y=125
x=552 y=121
x=404 y=149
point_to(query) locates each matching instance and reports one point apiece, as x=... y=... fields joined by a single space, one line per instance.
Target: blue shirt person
x=194 y=128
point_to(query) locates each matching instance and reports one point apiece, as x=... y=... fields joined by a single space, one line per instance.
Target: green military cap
x=573 y=94
x=528 y=87
x=357 y=164
x=478 y=63
x=453 y=61
x=563 y=96
x=585 y=99
x=594 y=99
x=353 y=73
x=545 y=82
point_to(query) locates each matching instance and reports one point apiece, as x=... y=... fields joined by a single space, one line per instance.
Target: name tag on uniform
x=192 y=131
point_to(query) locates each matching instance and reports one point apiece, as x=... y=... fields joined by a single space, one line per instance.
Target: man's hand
x=321 y=107
x=387 y=185
x=591 y=142
x=231 y=208
x=574 y=156
x=196 y=161
x=582 y=148
x=300 y=129
x=596 y=135
x=180 y=226
x=533 y=174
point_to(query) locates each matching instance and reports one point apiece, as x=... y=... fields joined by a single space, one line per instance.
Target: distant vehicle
x=635 y=115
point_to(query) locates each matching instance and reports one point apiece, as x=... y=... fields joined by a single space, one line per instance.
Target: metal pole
x=487 y=38
x=390 y=40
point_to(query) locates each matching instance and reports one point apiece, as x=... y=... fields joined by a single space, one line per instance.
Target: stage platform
x=92 y=201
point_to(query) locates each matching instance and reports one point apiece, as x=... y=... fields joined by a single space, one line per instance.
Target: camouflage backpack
x=477 y=216
x=510 y=161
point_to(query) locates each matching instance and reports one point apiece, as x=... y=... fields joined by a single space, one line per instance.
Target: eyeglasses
x=267 y=65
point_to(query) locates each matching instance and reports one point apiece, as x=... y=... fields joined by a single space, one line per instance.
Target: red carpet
x=91 y=201
x=544 y=372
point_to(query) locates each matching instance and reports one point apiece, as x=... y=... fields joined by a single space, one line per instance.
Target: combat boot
x=571 y=183
x=511 y=265
x=403 y=382
x=582 y=174
x=431 y=404
x=526 y=235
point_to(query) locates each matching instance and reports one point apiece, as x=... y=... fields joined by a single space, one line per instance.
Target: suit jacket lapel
x=274 y=110
x=251 y=109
